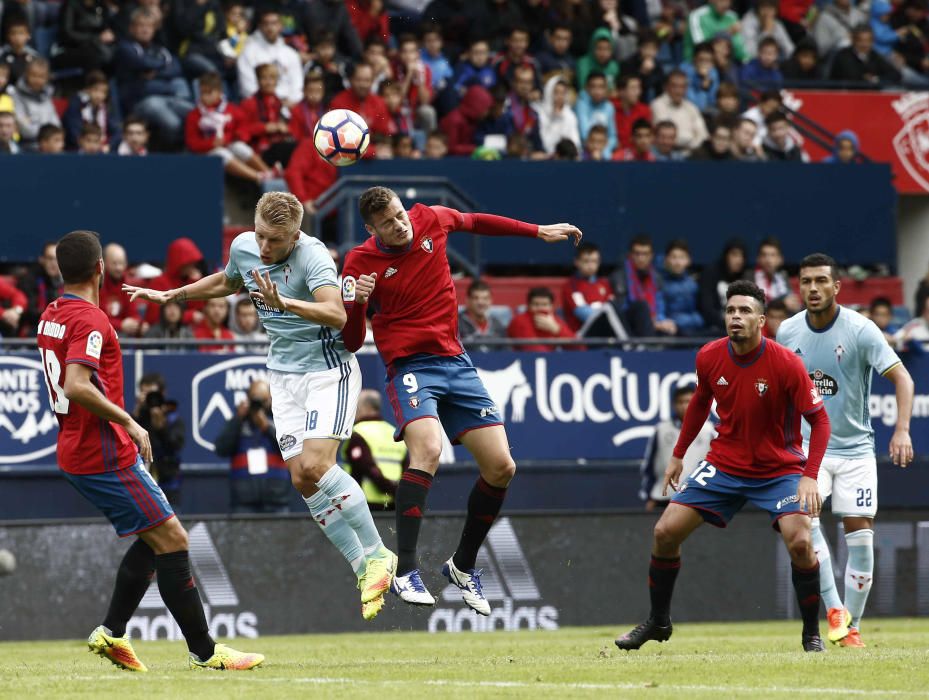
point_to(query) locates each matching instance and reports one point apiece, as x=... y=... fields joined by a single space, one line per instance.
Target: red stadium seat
x=229 y=234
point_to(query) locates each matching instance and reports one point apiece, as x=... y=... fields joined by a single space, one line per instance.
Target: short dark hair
x=775 y=117
x=134 y=119
x=560 y=27
x=313 y=77
x=640 y=240
x=770 y=95
x=90 y=129
x=703 y=47
x=777 y=305
x=862 y=29
x=594 y=75
x=665 y=124
x=478 y=286
x=598 y=129
x=373 y=200
x=210 y=81
x=676 y=73
x=584 y=248
x=771 y=242
x=727 y=89
x=406 y=39
x=95 y=77
x=746 y=288
x=677 y=244
x=768 y=41
x=821 y=260
x=641 y=124
x=78 y=253
x=155 y=378
x=566 y=149
x=244 y=301
x=16 y=21
x=438 y=134
x=880 y=301
x=540 y=293
x=262 y=67
x=681 y=390
x=47 y=131
x=624 y=80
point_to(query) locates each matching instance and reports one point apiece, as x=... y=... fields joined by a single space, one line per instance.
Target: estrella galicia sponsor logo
x=825 y=384
x=217 y=390
x=509 y=586
x=28 y=428
x=286 y=442
x=794 y=498
x=224 y=614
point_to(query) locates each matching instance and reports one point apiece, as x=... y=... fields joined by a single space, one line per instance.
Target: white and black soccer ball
x=341 y=137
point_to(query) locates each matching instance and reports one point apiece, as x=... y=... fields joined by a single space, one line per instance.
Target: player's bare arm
x=79 y=388
x=327 y=309
x=209 y=287
x=901 y=446
x=555 y=233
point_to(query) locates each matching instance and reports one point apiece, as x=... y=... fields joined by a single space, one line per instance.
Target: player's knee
x=800 y=547
x=172 y=539
x=426 y=455
x=665 y=536
x=504 y=471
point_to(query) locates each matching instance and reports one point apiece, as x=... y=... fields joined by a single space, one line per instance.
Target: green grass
x=750 y=660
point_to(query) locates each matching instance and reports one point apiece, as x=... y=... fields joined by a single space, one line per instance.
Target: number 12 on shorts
x=706 y=471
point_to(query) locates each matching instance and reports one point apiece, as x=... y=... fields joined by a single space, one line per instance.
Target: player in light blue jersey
x=315 y=381
x=840 y=348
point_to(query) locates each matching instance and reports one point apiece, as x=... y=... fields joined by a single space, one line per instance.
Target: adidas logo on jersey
x=391 y=271
x=798 y=352
x=722 y=382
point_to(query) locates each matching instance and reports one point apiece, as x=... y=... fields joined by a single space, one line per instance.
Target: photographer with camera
x=259 y=478
x=166 y=430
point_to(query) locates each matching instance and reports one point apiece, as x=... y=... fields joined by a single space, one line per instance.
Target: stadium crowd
x=643 y=80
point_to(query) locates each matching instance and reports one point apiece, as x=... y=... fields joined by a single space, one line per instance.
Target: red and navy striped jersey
x=72 y=330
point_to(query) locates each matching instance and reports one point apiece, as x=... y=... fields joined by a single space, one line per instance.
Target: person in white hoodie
x=557 y=120
x=265 y=45
x=32 y=99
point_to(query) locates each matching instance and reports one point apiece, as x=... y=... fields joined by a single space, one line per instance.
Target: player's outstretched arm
x=555 y=233
x=901 y=446
x=215 y=285
x=79 y=388
x=494 y=225
x=326 y=310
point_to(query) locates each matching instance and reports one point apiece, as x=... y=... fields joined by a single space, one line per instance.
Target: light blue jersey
x=297 y=345
x=840 y=358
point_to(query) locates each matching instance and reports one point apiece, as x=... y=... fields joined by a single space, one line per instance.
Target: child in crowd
x=135 y=137
x=305 y=114
x=91 y=106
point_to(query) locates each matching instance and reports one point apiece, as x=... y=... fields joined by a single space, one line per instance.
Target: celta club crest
x=912 y=141
x=761 y=386
x=427 y=245
x=286 y=270
x=839 y=351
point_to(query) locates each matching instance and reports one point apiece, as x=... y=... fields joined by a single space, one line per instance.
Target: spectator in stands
x=438 y=63
x=135 y=137
x=763 y=71
x=702 y=78
x=861 y=63
x=264 y=120
x=184 y=264
x=711 y=19
x=475 y=68
x=372 y=456
x=629 y=108
x=715 y=279
x=661 y=446
x=519 y=108
x=436 y=146
x=460 y=125
x=594 y=108
x=775 y=314
x=845 y=148
x=556 y=56
x=585 y=293
x=744 y=147
x=124 y=315
x=305 y=114
x=881 y=311
x=198 y=27
x=771 y=277
x=403 y=146
x=761 y=22
x=91 y=106
x=214 y=128
x=727 y=107
x=90 y=141
x=680 y=291
x=51 y=139
x=359 y=98
x=327 y=64
x=515 y=56
x=557 y=120
x=158 y=414
x=834 y=24
x=646 y=66
x=726 y=65
x=8 y=144
x=85 y=39
x=642 y=148
x=539 y=321
x=475 y=321
x=664 y=145
x=780 y=144
x=42 y=284
x=170 y=323
x=369 y=20
x=913 y=337
x=213 y=326
x=415 y=80
x=566 y=150
x=492 y=132
x=769 y=102
x=150 y=81
x=718 y=147
x=6 y=102
x=12 y=306
x=885 y=38
x=596 y=145
x=637 y=284
x=910 y=22
x=246 y=326
x=803 y=66
x=32 y=100
x=17 y=53
x=922 y=293
x=623 y=28
x=673 y=106
x=266 y=46
x=383 y=147
x=577 y=15
x=599 y=59
x=259 y=481
x=496 y=18
x=333 y=14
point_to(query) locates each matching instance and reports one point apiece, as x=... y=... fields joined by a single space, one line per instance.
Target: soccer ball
x=341 y=137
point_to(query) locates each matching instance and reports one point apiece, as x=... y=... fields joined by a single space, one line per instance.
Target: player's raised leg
x=491 y=449
x=423 y=440
x=795 y=530
x=674 y=526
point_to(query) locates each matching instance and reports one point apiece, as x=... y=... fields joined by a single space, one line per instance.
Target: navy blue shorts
x=129 y=498
x=447 y=388
x=718 y=496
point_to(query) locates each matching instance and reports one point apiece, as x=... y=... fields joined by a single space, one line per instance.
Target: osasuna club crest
x=761 y=386
x=414 y=402
x=427 y=245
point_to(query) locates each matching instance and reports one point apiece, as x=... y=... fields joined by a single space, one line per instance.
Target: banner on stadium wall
x=892 y=128
x=595 y=405
x=258 y=577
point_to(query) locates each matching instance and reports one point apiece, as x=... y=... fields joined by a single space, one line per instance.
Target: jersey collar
x=749 y=359
x=806 y=317
x=393 y=251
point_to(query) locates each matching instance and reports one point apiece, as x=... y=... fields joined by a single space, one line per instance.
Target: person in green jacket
x=710 y=20
x=599 y=57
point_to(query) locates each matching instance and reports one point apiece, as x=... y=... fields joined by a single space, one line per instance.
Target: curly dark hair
x=745 y=288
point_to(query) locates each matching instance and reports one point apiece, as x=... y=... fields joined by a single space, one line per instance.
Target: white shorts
x=313 y=406
x=237 y=150
x=852 y=483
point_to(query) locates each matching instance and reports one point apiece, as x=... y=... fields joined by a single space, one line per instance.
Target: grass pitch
x=735 y=660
